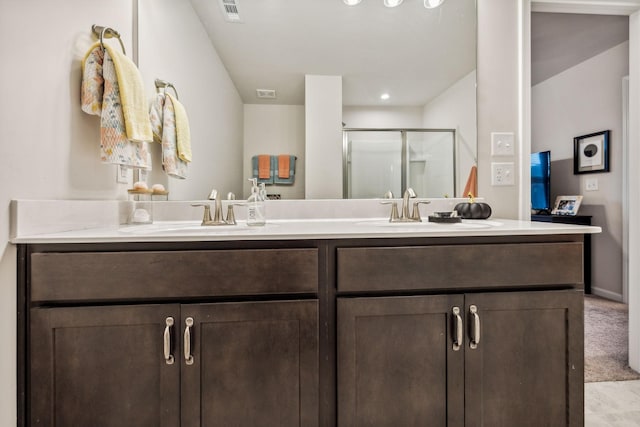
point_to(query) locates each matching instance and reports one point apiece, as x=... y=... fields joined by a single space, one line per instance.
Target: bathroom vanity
x=316 y=323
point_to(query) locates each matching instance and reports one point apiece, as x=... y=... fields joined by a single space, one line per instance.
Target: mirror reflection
x=402 y=68
x=377 y=161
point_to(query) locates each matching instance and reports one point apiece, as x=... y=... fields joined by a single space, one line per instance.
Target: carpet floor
x=606 y=341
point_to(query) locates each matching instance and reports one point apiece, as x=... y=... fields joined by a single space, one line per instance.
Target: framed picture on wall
x=591 y=153
x=566 y=205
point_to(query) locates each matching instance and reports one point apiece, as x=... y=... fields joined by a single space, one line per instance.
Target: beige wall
x=456 y=109
x=323 y=142
x=49 y=146
x=275 y=129
x=562 y=109
x=382 y=117
x=498 y=95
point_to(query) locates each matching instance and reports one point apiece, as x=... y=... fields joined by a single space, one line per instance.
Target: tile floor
x=608 y=404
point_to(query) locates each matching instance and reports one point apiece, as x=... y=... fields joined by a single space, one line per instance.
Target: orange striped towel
x=264 y=166
x=283 y=166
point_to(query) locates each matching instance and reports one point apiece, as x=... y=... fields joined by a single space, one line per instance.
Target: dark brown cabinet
x=396 y=365
x=102 y=366
x=249 y=363
x=253 y=364
x=519 y=360
x=527 y=369
x=442 y=331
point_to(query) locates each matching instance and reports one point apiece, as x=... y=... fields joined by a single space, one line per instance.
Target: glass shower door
x=431 y=168
x=373 y=163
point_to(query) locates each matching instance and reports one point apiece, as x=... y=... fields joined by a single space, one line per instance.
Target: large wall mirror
x=423 y=59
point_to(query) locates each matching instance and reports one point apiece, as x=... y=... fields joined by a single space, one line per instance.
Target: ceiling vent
x=230 y=10
x=266 y=93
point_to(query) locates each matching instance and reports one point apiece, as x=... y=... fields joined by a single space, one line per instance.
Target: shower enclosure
x=379 y=160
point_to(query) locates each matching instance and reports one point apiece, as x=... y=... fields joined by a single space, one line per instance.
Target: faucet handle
x=206 y=218
x=231 y=217
x=213 y=195
x=394 y=210
x=415 y=215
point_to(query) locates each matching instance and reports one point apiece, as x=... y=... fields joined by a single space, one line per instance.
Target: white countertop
x=99 y=222
x=189 y=231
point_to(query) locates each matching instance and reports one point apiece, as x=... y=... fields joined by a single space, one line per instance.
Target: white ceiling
x=410 y=52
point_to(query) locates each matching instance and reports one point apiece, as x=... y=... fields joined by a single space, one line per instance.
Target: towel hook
x=163 y=84
x=106 y=32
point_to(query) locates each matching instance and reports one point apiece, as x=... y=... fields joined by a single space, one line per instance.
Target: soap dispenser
x=255 y=205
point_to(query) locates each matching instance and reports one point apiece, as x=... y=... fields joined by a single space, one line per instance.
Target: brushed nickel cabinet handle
x=457 y=340
x=188 y=358
x=475 y=327
x=168 y=357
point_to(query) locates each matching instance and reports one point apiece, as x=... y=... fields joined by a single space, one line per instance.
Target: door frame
x=629 y=8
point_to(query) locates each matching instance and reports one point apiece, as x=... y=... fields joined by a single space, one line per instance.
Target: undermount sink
x=190 y=227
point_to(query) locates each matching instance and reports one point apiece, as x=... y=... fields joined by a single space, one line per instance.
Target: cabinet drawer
x=459 y=266
x=165 y=274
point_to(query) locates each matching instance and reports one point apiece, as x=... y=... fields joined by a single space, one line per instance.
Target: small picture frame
x=591 y=153
x=566 y=205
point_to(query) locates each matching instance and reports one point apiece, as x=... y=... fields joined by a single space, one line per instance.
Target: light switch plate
x=502 y=174
x=503 y=144
x=591 y=184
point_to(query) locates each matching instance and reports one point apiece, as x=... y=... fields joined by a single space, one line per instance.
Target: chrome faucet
x=408 y=194
x=405 y=216
x=217 y=214
x=218 y=218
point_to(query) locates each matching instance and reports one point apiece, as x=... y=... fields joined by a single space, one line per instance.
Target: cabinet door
x=527 y=369
x=396 y=361
x=103 y=366
x=253 y=364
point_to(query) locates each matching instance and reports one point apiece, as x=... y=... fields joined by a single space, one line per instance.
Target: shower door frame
x=404 y=161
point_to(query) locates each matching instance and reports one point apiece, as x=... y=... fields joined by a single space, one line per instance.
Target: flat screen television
x=541 y=181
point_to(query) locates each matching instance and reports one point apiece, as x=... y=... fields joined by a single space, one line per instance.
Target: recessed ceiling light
x=384 y=96
x=392 y=3
x=432 y=4
x=351 y=2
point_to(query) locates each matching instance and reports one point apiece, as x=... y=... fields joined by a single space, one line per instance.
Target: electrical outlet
x=122 y=174
x=502 y=174
x=502 y=144
x=591 y=184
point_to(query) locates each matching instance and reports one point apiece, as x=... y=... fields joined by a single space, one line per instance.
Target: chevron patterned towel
x=100 y=95
x=163 y=124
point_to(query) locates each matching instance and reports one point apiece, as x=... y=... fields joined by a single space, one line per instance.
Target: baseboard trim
x=607 y=294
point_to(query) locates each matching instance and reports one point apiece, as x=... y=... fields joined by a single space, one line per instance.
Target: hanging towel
x=163 y=125
x=183 y=132
x=100 y=95
x=264 y=166
x=134 y=100
x=256 y=172
x=472 y=183
x=92 y=88
x=286 y=167
x=283 y=166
